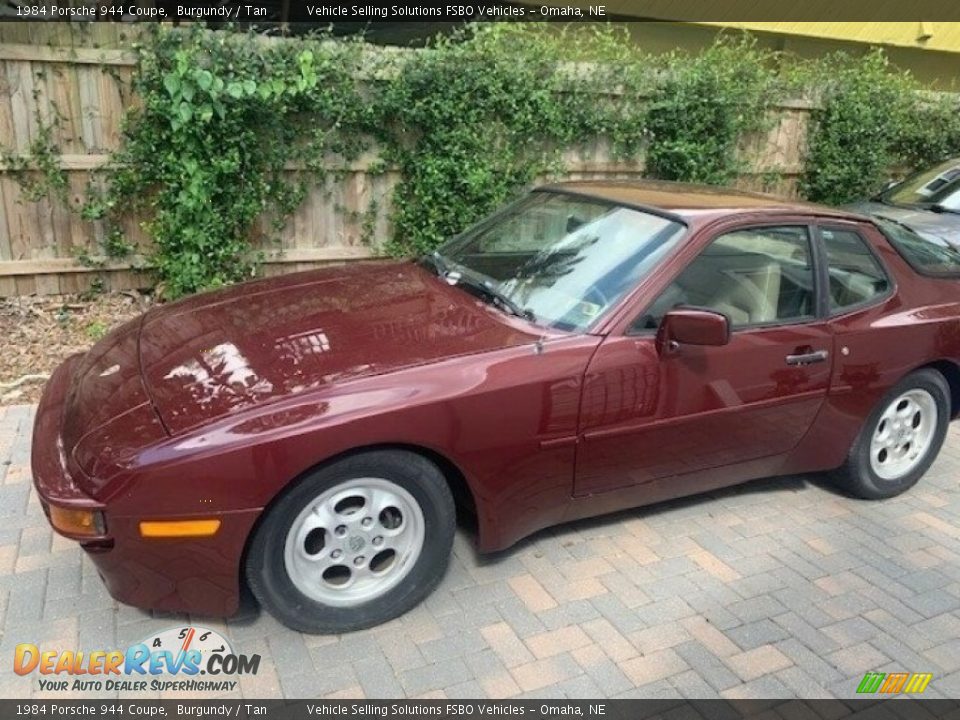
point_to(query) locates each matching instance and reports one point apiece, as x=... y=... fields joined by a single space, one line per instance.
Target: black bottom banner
x=605 y=709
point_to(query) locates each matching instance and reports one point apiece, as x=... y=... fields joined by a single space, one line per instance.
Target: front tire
x=354 y=544
x=901 y=438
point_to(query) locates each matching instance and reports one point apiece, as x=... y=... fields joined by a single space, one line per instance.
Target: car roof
x=692 y=202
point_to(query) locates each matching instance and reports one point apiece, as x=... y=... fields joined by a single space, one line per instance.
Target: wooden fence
x=85 y=73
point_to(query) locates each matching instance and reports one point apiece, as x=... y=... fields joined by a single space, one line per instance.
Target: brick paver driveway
x=778 y=588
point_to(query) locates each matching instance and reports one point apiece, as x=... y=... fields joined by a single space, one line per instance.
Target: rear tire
x=353 y=544
x=900 y=440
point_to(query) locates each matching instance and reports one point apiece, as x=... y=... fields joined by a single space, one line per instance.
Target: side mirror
x=687 y=326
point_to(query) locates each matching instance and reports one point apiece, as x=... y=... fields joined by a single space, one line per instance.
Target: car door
x=875 y=345
x=648 y=414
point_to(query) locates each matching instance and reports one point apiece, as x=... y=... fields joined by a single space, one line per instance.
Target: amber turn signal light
x=76 y=521
x=179 y=528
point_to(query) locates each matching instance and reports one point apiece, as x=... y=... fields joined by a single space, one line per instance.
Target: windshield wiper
x=438 y=262
x=486 y=290
x=938 y=208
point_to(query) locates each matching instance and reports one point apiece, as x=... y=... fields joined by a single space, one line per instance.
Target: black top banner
x=323 y=13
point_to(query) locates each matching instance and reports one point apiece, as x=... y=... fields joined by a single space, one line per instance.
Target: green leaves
x=702 y=106
x=474 y=118
x=468 y=122
x=206 y=154
x=308 y=75
x=171 y=82
x=204 y=79
x=241 y=88
x=872 y=118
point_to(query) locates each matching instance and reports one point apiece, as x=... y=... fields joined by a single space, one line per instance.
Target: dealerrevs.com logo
x=170 y=660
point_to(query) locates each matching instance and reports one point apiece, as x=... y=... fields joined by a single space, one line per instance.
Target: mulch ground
x=38 y=333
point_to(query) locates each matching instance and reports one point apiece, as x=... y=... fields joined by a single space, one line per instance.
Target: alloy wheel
x=903 y=434
x=354 y=542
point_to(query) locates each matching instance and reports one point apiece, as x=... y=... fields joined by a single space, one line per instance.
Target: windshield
x=938 y=187
x=559 y=260
x=927 y=254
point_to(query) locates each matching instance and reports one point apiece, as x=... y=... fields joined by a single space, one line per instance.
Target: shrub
x=476 y=116
x=872 y=120
x=204 y=156
x=702 y=108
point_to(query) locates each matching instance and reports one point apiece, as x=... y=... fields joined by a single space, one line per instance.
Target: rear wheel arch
x=951 y=373
x=860 y=475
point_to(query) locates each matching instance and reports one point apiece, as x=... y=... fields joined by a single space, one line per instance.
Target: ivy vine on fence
x=231 y=128
x=703 y=108
x=222 y=118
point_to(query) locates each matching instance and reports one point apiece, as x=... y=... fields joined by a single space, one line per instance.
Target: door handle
x=808 y=358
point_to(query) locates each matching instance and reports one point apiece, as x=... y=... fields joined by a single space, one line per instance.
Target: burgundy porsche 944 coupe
x=591 y=347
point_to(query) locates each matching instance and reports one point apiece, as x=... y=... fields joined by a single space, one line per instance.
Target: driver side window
x=755 y=276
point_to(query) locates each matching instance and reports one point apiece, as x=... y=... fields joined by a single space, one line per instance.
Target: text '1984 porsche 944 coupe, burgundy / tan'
x=591 y=347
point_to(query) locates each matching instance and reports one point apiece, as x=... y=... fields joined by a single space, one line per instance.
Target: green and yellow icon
x=893 y=683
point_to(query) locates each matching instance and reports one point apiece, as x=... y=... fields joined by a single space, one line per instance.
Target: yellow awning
x=941 y=36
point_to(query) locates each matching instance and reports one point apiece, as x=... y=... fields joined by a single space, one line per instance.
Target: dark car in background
x=927 y=202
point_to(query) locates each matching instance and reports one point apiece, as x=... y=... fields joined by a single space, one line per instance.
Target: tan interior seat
x=743 y=286
x=851 y=288
x=752 y=277
x=750 y=296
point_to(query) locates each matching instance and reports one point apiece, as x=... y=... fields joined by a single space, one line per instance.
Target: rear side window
x=927 y=255
x=856 y=276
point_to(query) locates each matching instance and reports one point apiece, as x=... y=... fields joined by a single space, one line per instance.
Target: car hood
x=942 y=226
x=225 y=351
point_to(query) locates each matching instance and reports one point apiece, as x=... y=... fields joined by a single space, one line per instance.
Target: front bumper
x=196 y=575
